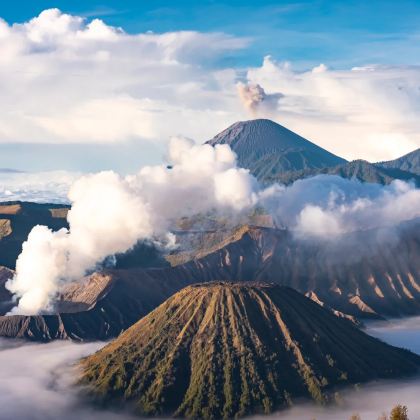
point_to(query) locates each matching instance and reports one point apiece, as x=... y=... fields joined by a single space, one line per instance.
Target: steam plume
x=110 y=214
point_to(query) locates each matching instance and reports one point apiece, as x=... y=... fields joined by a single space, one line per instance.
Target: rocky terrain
x=409 y=162
x=98 y=307
x=360 y=170
x=374 y=278
x=368 y=281
x=221 y=350
x=16 y=221
x=267 y=148
x=370 y=274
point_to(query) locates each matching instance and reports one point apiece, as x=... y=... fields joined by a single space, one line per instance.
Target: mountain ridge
x=371 y=281
x=360 y=170
x=409 y=162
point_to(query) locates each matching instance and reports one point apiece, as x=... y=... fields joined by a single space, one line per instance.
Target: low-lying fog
x=36 y=383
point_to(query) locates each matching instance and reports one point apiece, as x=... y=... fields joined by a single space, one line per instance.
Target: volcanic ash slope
x=223 y=350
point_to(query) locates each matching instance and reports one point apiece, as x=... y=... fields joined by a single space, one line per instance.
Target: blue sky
x=342 y=33
x=79 y=95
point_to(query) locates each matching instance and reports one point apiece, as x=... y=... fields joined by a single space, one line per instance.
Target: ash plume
x=255 y=100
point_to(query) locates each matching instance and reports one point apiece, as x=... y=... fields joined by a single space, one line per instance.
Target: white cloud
x=40 y=187
x=67 y=79
x=326 y=206
x=367 y=112
x=37 y=382
x=109 y=214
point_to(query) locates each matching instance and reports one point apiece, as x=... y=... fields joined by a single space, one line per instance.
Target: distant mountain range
x=273 y=153
x=226 y=350
x=10 y=171
x=359 y=170
x=409 y=162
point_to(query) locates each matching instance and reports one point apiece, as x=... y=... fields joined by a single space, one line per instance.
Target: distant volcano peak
x=267 y=148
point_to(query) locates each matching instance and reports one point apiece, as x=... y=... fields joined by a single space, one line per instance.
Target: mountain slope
x=266 y=148
x=409 y=162
x=373 y=279
x=365 y=274
x=18 y=218
x=360 y=170
x=99 y=307
x=226 y=350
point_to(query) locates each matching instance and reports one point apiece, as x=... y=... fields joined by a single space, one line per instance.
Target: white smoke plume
x=255 y=100
x=110 y=214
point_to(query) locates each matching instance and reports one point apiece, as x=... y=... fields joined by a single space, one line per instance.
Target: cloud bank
x=36 y=382
x=38 y=187
x=65 y=79
x=325 y=206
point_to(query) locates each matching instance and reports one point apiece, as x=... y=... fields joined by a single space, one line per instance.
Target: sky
x=99 y=85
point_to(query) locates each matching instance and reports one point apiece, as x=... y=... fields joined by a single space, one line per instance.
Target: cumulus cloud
x=365 y=112
x=324 y=206
x=68 y=79
x=111 y=213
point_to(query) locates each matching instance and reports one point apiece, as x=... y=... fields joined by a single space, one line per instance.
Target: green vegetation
x=223 y=350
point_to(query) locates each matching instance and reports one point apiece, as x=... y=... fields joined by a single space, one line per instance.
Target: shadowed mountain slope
x=99 y=307
x=227 y=350
x=360 y=170
x=409 y=162
x=267 y=148
x=378 y=277
x=365 y=274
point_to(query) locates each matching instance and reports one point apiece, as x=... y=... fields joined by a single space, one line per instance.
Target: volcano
x=219 y=349
x=267 y=148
